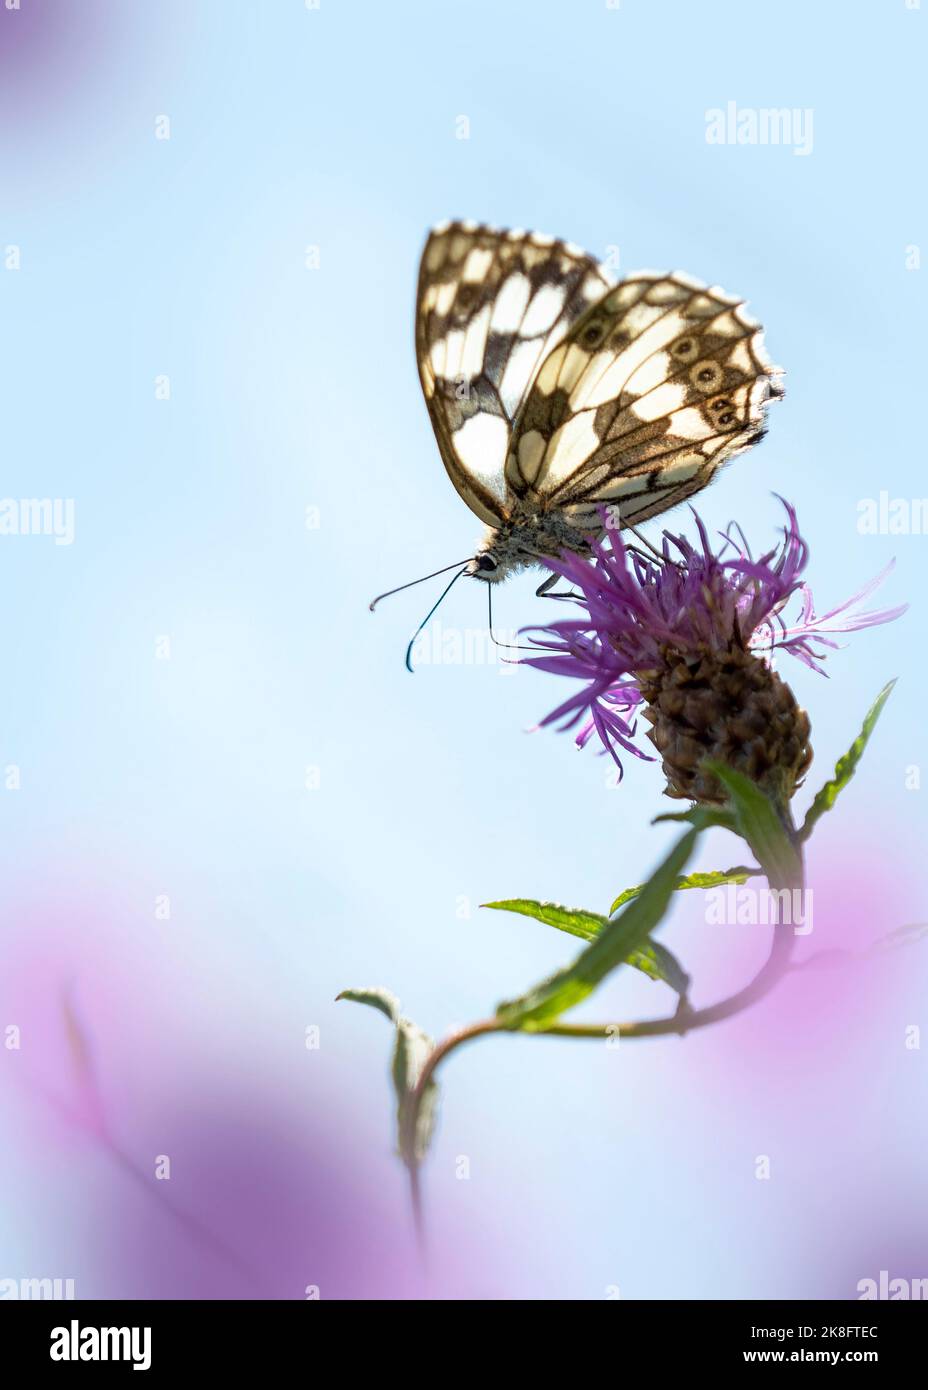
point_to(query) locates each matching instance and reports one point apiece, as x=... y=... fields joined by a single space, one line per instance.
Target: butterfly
x=555 y=392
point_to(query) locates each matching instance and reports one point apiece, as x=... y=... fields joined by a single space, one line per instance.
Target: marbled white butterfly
x=554 y=392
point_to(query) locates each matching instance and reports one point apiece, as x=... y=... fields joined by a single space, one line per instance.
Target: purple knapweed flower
x=687 y=641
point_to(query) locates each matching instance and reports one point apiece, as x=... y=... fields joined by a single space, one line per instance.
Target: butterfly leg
x=544 y=589
x=511 y=646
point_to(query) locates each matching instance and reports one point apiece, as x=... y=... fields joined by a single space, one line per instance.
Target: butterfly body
x=555 y=393
x=522 y=540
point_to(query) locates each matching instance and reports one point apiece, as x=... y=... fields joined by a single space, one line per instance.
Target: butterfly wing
x=489 y=308
x=650 y=391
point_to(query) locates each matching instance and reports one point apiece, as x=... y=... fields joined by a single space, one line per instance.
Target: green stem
x=682 y=1022
x=686 y=1021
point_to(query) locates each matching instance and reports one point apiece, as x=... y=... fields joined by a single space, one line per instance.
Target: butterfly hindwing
x=650 y=390
x=491 y=305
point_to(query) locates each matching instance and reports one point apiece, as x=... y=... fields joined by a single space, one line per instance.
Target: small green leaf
x=703 y=817
x=653 y=960
x=574 y=920
x=410 y=1049
x=409 y=1054
x=739 y=874
x=376 y=997
x=846 y=765
x=758 y=822
x=611 y=948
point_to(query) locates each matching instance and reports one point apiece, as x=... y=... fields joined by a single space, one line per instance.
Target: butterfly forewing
x=649 y=391
x=491 y=305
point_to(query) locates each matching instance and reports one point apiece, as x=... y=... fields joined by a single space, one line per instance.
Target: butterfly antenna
x=434 y=575
x=445 y=591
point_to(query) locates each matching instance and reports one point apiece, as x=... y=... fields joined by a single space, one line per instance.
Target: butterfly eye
x=486 y=564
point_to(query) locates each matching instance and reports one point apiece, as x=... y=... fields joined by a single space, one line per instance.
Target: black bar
x=236 y=1339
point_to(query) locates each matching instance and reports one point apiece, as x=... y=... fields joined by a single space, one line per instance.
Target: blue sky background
x=293 y=388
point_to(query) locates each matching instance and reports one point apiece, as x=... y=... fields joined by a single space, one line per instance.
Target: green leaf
x=739 y=874
x=615 y=943
x=653 y=960
x=758 y=821
x=574 y=920
x=846 y=765
x=703 y=817
x=376 y=997
x=411 y=1047
x=409 y=1054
